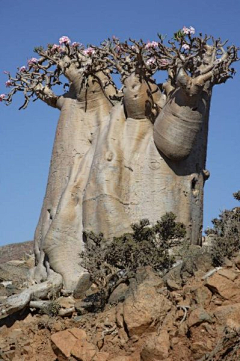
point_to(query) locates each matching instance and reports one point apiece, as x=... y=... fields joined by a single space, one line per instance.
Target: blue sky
x=26 y=136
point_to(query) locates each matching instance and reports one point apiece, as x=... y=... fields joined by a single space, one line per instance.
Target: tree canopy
x=188 y=60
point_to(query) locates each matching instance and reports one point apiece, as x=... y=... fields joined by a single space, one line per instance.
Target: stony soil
x=177 y=318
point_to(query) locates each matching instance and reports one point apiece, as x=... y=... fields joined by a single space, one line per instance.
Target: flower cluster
x=151 y=61
x=32 y=61
x=22 y=69
x=117 y=57
x=152 y=44
x=55 y=47
x=64 y=40
x=76 y=44
x=185 y=46
x=188 y=31
x=88 y=51
x=8 y=83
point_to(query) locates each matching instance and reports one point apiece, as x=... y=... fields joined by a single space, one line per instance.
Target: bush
x=226 y=234
x=110 y=263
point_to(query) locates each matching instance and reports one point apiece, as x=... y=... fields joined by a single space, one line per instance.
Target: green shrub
x=226 y=234
x=110 y=263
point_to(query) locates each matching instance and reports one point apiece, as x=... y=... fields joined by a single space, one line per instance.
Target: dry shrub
x=111 y=263
x=226 y=234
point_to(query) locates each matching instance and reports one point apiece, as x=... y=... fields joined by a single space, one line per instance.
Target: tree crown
x=186 y=58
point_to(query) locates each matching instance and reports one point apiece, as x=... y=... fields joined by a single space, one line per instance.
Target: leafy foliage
x=226 y=234
x=111 y=263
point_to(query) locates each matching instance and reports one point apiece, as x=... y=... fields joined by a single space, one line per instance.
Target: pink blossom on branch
x=88 y=51
x=185 y=46
x=2 y=96
x=75 y=44
x=150 y=45
x=192 y=30
x=64 y=40
x=55 y=47
x=32 y=61
x=151 y=61
x=185 y=30
x=22 y=69
x=6 y=72
x=8 y=83
x=188 y=31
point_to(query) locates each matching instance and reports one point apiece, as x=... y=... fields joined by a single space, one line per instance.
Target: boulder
x=198 y=316
x=64 y=341
x=143 y=307
x=223 y=286
x=156 y=347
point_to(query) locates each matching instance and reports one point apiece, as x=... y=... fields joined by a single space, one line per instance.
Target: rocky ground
x=192 y=313
x=15 y=251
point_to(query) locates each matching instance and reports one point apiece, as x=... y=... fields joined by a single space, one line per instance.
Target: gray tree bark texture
x=120 y=156
x=108 y=172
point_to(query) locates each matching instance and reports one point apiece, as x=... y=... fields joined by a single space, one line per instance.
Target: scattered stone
x=65 y=302
x=119 y=294
x=172 y=285
x=83 y=350
x=198 y=316
x=148 y=276
x=201 y=295
x=231 y=275
x=200 y=348
x=143 y=307
x=156 y=347
x=222 y=286
x=224 y=314
x=83 y=285
x=64 y=341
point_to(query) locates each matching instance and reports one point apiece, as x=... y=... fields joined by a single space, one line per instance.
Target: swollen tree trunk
x=120 y=156
x=58 y=237
x=107 y=172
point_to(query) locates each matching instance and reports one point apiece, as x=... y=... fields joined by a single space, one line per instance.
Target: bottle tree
x=121 y=154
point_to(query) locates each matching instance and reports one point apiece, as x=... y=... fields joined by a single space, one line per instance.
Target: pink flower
x=164 y=62
x=185 y=46
x=55 y=47
x=64 y=40
x=2 y=96
x=75 y=44
x=151 y=61
x=150 y=45
x=32 y=61
x=6 y=72
x=186 y=30
x=8 y=83
x=88 y=51
x=22 y=69
x=191 y=30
